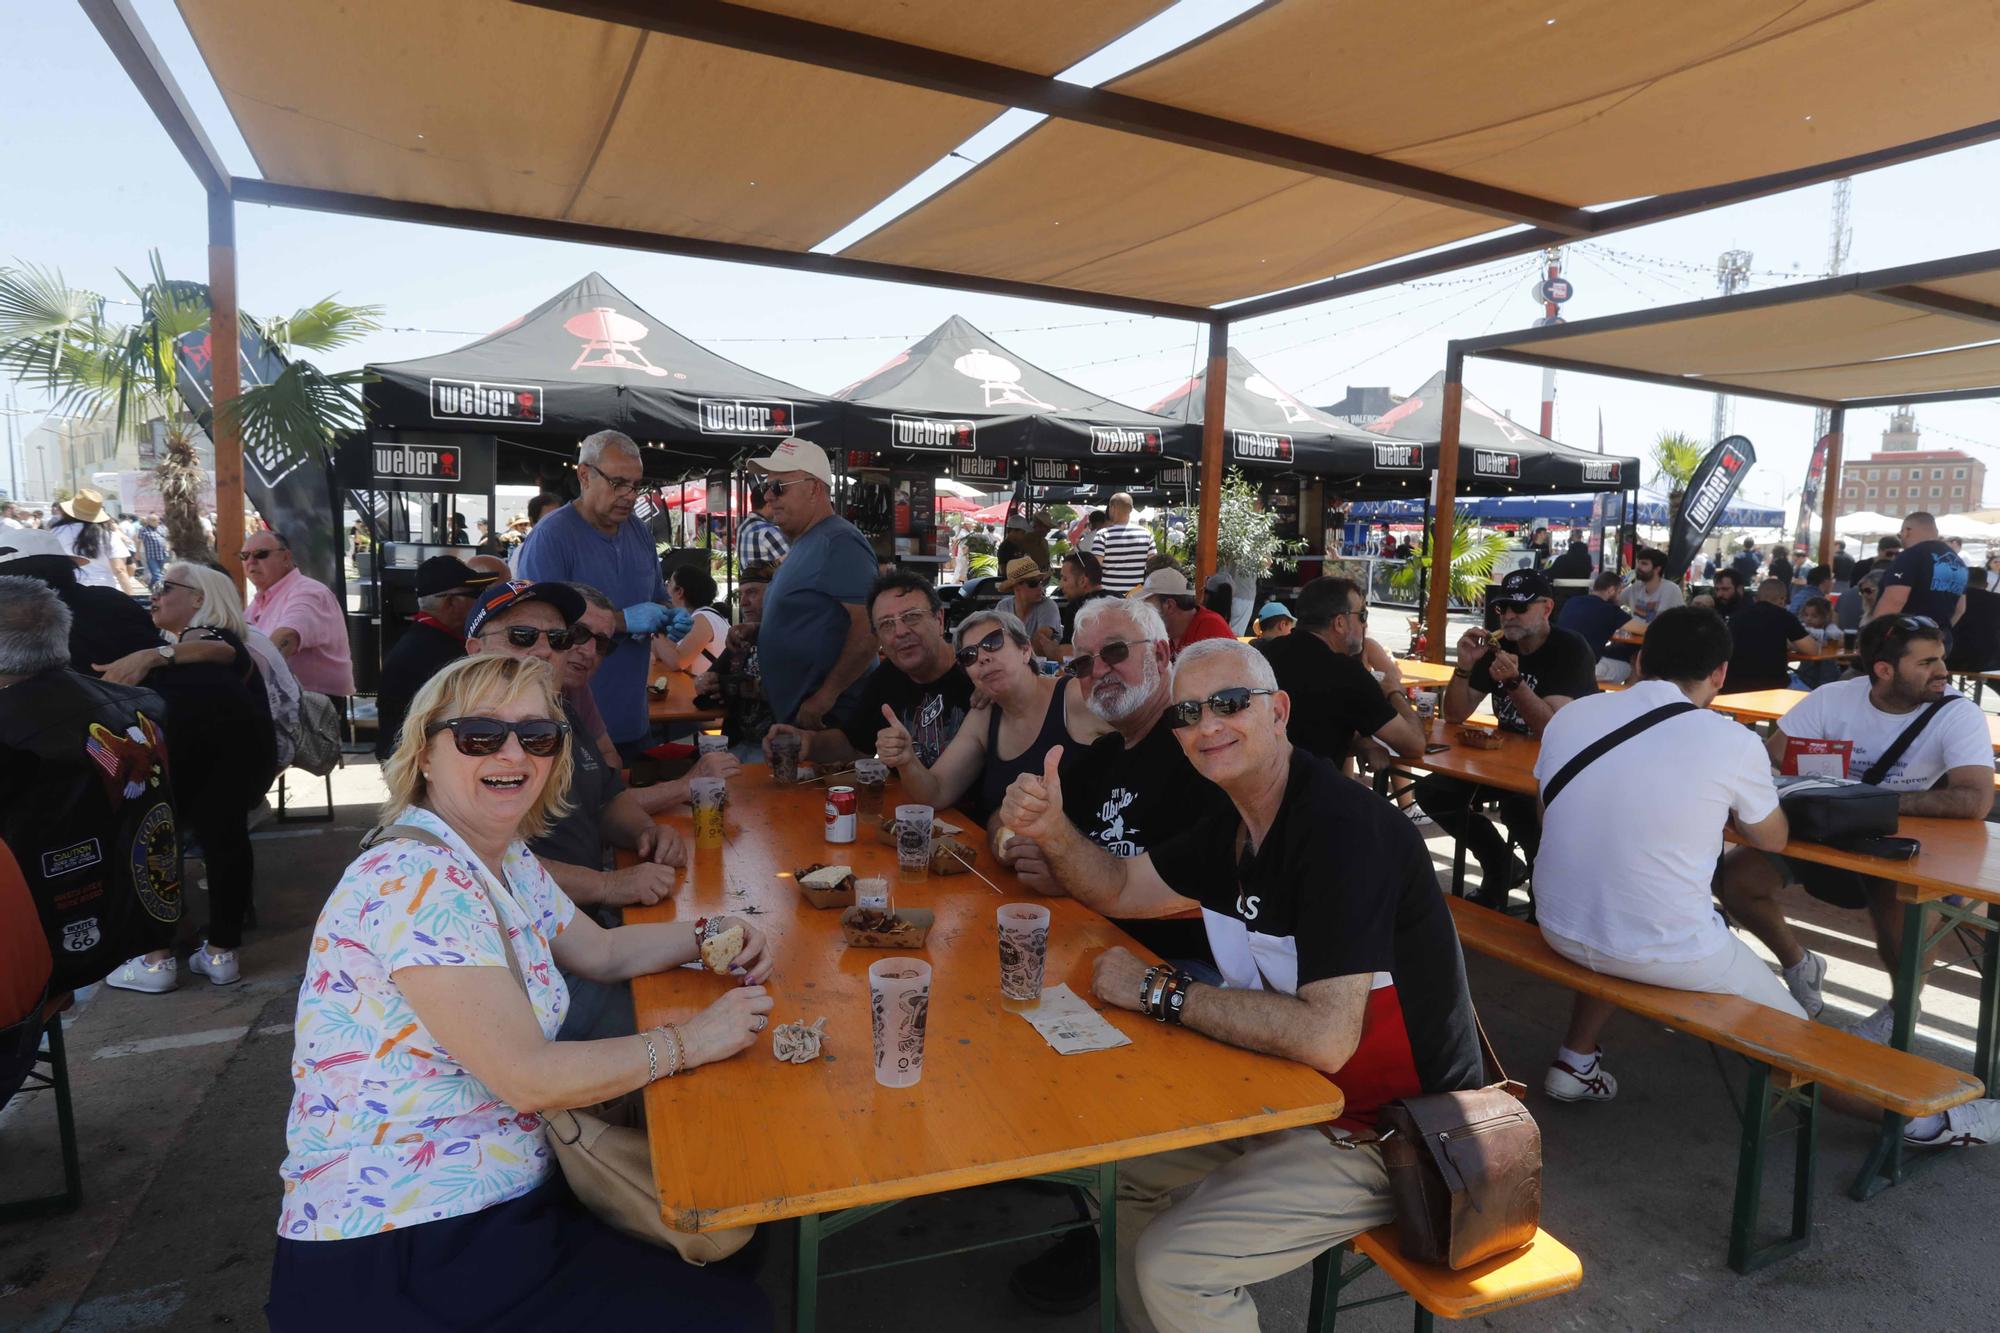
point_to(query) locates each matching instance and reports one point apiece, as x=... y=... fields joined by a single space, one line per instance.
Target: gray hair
x=595 y=444
x=1252 y=663
x=593 y=596
x=432 y=602
x=220 y=607
x=1006 y=620
x=1140 y=615
x=34 y=627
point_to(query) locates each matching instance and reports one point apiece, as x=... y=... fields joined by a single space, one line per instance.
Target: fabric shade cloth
x=1266 y=427
x=1867 y=523
x=1498 y=455
x=591 y=357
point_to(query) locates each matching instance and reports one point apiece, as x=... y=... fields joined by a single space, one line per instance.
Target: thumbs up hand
x=1034 y=804
x=892 y=744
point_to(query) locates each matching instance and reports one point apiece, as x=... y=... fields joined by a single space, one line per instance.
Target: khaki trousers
x=1263 y=1206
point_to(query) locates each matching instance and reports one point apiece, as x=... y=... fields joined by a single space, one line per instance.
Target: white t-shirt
x=1627 y=856
x=1955 y=738
x=98 y=573
x=1645 y=605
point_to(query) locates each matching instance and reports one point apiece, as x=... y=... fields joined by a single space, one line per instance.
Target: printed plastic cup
x=871 y=779
x=899 y=997
x=708 y=796
x=1024 y=950
x=913 y=840
x=785 y=758
x=871 y=894
x=711 y=742
x=1426 y=704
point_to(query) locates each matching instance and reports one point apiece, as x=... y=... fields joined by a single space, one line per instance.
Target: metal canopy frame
x=1902 y=285
x=1542 y=222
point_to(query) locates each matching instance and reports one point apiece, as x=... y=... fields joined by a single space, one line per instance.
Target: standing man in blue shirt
x=596 y=540
x=815 y=643
x=1927 y=579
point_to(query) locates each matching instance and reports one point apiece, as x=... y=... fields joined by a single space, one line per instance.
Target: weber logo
x=475 y=400
x=953 y=434
x=981 y=469
x=1182 y=477
x=1051 y=470
x=746 y=416
x=1254 y=446
x=1605 y=471
x=1399 y=457
x=416 y=462
x=1123 y=441
x=1495 y=463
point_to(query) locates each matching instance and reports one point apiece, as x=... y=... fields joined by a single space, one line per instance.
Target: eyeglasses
x=524 y=636
x=257 y=555
x=604 y=643
x=618 y=485
x=1360 y=615
x=992 y=643
x=1111 y=654
x=164 y=584
x=888 y=625
x=1226 y=703
x=477 y=737
x=780 y=487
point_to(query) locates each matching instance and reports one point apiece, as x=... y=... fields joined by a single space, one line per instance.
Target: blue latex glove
x=647 y=617
x=678 y=624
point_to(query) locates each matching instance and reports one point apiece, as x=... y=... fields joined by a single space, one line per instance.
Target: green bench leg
x=806 y=1317
x=1884 y=1164
x=1332 y=1274
x=1987 y=1040
x=54 y=1078
x=1760 y=1103
x=1107 y=1248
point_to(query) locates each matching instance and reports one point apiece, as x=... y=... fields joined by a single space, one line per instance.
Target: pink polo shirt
x=309 y=609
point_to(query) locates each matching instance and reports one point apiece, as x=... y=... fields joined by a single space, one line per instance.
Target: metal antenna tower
x=1836 y=263
x=1732 y=274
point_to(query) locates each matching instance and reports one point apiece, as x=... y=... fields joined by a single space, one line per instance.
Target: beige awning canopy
x=1264 y=162
x=1911 y=334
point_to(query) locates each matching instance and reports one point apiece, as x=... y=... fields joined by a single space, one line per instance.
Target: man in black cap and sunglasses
x=1531 y=669
x=446 y=589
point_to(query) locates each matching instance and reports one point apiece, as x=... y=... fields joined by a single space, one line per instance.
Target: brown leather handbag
x=1465 y=1170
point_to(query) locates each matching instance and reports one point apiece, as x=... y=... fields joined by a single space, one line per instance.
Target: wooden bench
x=1790 y=1059
x=1544 y=1267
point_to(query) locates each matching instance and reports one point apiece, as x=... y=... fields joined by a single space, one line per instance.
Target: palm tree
x=1675 y=458
x=59 y=339
x=1473 y=552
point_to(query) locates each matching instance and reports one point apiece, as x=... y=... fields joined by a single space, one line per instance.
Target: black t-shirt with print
x=1334 y=697
x=1936 y=578
x=1563 y=665
x=1128 y=801
x=931 y=712
x=1762 y=633
x=1342 y=886
x=577 y=838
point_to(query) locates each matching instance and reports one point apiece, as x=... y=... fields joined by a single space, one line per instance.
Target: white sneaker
x=1590 y=1084
x=218 y=965
x=149 y=978
x=1416 y=815
x=1803 y=982
x=1878 y=1027
x=1967 y=1126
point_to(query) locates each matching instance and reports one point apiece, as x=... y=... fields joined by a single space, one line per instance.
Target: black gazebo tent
x=1265 y=427
x=1498 y=455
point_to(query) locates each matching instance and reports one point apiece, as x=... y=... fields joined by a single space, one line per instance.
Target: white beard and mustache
x=1130 y=698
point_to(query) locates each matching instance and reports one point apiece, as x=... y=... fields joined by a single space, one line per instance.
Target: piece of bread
x=826 y=879
x=719 y=950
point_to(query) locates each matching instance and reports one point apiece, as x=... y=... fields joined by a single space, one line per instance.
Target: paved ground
x=180 y=1101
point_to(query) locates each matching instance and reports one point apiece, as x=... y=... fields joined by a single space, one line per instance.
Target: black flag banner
x=289 y=483
x=1708 y=494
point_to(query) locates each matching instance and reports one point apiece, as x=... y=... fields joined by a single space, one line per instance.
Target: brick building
x=1904 y=476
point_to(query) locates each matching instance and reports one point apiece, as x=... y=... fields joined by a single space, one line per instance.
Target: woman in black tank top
x=1027 y=713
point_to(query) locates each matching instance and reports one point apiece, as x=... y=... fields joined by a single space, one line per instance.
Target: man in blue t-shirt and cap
x=815 y=643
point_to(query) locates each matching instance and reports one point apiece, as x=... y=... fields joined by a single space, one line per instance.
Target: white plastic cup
x=711 y=742
x=1024 y=952
x=913 y=839
x=708 y=795
x=899 y=997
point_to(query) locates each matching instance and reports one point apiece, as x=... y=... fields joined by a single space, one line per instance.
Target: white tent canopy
x=1867 y=523
x=1966 y=528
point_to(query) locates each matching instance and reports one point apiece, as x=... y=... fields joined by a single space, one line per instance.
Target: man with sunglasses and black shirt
x=595 y=539
x=446 y=590
x=1946 y=771
x=1336 y=950
x=1531 y=670
x=1334 y=697
x=919 y=679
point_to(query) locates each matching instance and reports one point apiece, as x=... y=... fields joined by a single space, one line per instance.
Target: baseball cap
x=796 y=455
x=1520 y=587
x=1164 y=583
x=28 y=543
x=447 y=573
x=501 y=597
x=1275 y=611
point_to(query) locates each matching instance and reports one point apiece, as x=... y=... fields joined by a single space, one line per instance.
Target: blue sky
x=92 y=183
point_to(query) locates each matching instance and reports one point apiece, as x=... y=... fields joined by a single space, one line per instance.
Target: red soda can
x=840 y=804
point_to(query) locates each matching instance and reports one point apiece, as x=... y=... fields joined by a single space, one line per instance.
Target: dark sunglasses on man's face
x=992 y=643
x=257 y=555
x=477 y=737
x=524 y=636
x=604 y=643
x=1226 y=703
x=1111 y=654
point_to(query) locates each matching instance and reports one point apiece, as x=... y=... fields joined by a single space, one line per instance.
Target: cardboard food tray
x=1476 y=738
x=914 y=924
x=839 y=896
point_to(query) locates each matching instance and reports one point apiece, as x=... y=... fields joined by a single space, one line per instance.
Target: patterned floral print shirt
x=385 y=1128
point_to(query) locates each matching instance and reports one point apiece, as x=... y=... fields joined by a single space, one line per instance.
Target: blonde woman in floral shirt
x=420 y=1191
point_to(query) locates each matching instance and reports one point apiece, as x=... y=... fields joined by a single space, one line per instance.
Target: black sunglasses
x=992 y=643
x=480 y=736
x=1111 y=654
x=1226 y=703
x=1916 y=624
x=524 y=636
x=604 y=643
x=163 y=584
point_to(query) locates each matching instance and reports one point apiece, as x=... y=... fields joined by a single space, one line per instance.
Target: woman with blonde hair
x=222 y=746
x=420 y=1190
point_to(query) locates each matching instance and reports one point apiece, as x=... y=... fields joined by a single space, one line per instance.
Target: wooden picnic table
x=1424 y=675
x=1770 y=705
x=752 y=1140
x=677 y=704
x=1636 y=638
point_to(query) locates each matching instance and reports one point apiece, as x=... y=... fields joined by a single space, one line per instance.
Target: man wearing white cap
x=815 y=644
x=1168 y=592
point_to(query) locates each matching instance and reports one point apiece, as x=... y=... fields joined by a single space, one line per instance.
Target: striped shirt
x=1124 y=549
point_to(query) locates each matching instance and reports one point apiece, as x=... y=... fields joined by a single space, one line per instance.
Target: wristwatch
x=166 y=650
